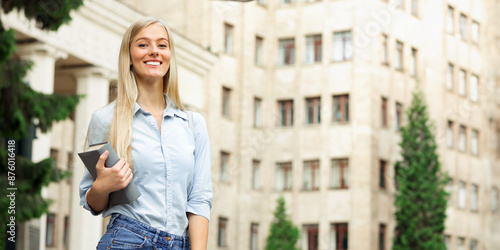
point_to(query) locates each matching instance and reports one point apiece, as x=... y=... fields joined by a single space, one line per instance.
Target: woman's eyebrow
x=148 y=39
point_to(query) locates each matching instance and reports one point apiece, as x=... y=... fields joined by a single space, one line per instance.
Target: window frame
x=342 y=40
x=382 y=183
x=285 y=108
x=287 y=169
x=314 y=51
x=312 y=167
x=286 y=51
x=399 y=64
x=342 y=101
x=259 y=51
x=228 y=38
x=313 y=110
x=343 y=173
x=224 y=166
x=222 y=232
x=226 y=102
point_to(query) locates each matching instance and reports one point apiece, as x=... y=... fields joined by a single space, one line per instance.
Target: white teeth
x=153 y=63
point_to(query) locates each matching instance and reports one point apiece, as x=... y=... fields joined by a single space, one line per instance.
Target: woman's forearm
x=198 y=231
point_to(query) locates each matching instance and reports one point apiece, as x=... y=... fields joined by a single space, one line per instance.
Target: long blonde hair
x=120 y=131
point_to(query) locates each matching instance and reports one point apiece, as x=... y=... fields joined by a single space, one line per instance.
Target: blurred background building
x=303 y=98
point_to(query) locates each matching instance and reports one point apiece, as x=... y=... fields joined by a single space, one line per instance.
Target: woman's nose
x=154 y=50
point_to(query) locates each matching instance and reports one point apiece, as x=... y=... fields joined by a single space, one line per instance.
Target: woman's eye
x=142 y=45
x=162 y=46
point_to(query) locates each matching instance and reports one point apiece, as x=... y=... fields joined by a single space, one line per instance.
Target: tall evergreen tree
x=20 y=107
x=283 y=234
x=421 y=201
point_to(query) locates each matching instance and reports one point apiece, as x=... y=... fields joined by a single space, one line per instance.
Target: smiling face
x=150 y=53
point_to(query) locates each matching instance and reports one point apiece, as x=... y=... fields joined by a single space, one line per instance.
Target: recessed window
x=286 y=51
x=224 y=167
x=226 y=101
x=339 y=236
x=228 y=38
x=310 y=237
x=222 y=237
x=255 y=175
x=286 y=1
x=461 y=194
x=259 y=50
x=494 y=199
x=449 y=134
x=341 y=108
x=462 y=139
x=285 y=113
x=66 y=231
x=339 y=173
x=261 y=2
x=474 y=198
x=399 y=116
x=450 y=24
x=449 y=76
x=414 y=7
x=413 y=62
x=463 y=27
x=385 y=49
x=474 y=144
x=461 y=81
x=400 y=4
x=473 y=244
x=447 y=241
x=342 y=46
x=50 y=233
x=384 y=115
x=381 y=237
x=311 y=175
x=254 y=236
x=284 y=176
x=475 y=32
x=54 y=154
x=474 y=82
x=460 y=243
x=382 y=174
x=257 y=112
x=313 y=49
x=449 y=189
x=313 y=110
x=399 y=55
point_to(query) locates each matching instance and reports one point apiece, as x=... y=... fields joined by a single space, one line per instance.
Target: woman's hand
x=108 y=180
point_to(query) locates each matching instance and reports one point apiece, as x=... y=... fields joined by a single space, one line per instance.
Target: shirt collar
x=171 y=110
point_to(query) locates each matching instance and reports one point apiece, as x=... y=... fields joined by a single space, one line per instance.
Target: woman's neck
x=151 y=96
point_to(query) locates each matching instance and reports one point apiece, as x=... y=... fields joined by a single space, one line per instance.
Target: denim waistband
x=144 y=229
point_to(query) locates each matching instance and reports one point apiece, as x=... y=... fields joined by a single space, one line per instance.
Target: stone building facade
x=303 y=99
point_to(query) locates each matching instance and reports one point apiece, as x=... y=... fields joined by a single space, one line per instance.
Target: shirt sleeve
x=200 y=196
x=96 y=134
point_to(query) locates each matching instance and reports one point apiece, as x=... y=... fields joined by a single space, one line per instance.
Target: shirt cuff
x=85 y=205
x=201 y=209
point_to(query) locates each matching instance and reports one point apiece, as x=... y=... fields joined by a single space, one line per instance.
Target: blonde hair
x=120 y=131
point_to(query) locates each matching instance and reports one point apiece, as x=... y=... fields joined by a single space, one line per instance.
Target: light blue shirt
x=172 y=170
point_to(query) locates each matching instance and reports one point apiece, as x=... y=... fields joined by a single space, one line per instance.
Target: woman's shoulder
x=104 y=115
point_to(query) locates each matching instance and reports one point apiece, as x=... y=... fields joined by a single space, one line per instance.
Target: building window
x=399 y=116
x=224 y=165
x=382 y=174
x=311 y=175
x=450 y=24
x=447 y=241
x=381 y=237
x=285 y=111
x=313 y=48
x=66 y=231
x=287 y=51
x=313 y=110
x=460 y=243
x=384 y=117
x=474 y=145
x=54 y=154
x=461 y=81
x=449 y=134
x=257 y=112
x=414 y=7
x=474 y=198
x=449 y=189
x=339 y=236
x=342 y=46
x=222 y=237
x=341 y=108
x=51 y=227
x=494 y=199
x=260 y=2
x=254 y=236
x=284 y=176
x=226 y=100
x=399 y=55
x=449 y=77
x=473 y=244
x=286 y=1
x=70 y=166
x=461 y=194
x=474 y=81
x=463 y=27
x=385 y=49
x=475 y=32
x=462 y=139
x=259 y=51
x=413 y=62
x=228 y=38
x=400 y=4
x=255 y=174
x=339 y=174
x=310 y=237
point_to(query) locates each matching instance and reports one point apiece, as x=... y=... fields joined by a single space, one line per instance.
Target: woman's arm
x=198 y=231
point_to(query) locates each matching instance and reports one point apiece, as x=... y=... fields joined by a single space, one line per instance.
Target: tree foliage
x=283 y=233
x=421 y=201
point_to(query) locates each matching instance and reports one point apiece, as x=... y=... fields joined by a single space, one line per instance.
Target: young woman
x=169 y=162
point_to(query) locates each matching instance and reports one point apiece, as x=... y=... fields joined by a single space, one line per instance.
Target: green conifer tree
x=421 y=201
x=20 y=107
x=283 y=234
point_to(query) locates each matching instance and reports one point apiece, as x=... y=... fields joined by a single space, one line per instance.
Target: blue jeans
x=126 y=233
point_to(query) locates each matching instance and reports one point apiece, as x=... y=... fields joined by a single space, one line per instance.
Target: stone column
x=41 y=79
x=85 y=229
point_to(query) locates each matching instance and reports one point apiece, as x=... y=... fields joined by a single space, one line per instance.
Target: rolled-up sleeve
x=97 y=133
x=200 y=196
